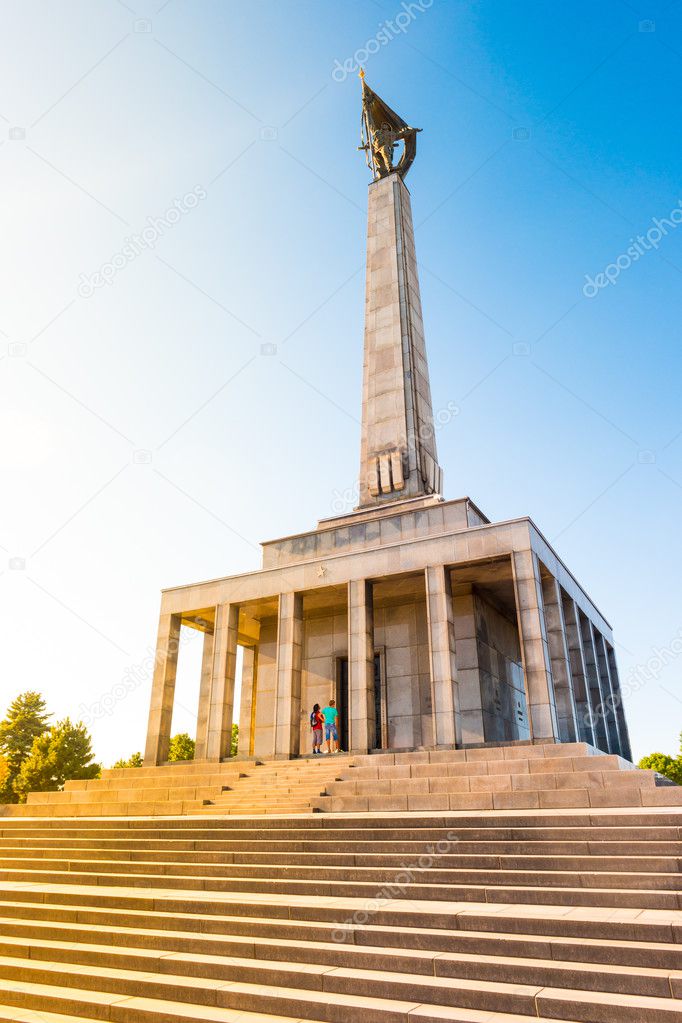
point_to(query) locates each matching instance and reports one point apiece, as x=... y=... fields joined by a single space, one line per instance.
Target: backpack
x=313 y=720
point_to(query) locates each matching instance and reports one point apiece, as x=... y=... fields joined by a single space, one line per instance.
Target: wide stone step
x=493 y=782
x=88 y=1005
x=142 y=1009
x=94 y=809
x=436 y=871
x=237 y=913
x=424 y=952
x=307 y=830
x=504 y=826
x=316 y=832
x=240 y=936
x=620 y=796
x=631 y=823
x=526 y=888
x=290 y=989
x=117 y=795
x=63 y=858
x=251 y=807
x=182 y=848
x=260 y=958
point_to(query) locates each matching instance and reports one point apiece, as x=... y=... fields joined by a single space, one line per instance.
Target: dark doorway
x=378 y=716
x=342 y=703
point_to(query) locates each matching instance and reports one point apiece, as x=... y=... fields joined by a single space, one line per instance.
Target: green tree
x=134 y=760
x=25 y=721
x=671 y=767
x=181 y=747
x=234 y=743
x=62 y=753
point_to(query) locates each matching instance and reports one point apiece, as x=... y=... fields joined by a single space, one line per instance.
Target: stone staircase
x=501 y=917
x=493 y=885
x=191 y=787
x=280 y=786
x=520 y=777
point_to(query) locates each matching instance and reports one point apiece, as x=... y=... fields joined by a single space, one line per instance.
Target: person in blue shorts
x=331 y=731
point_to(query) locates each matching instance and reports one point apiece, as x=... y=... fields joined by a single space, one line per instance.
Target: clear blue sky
x=551 y=139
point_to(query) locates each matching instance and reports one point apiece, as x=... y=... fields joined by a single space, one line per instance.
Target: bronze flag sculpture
x=382 y=130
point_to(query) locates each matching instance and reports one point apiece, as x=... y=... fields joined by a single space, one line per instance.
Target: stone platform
x=517 y=777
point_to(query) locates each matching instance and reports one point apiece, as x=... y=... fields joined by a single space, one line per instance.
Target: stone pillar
x=163 y=690
x=468 y=669
x=447 y=727
x=224 y=667
x=288 y=693
x=578 y=672
x=558 y=651
x=608 y=702
x=625 y=749
x=398 y=448
x=537 y=664
x=247 y=708
x=593 y=686
x=204 y=695
x=361 y=732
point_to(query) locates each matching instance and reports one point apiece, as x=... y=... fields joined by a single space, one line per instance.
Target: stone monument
x=431 y=626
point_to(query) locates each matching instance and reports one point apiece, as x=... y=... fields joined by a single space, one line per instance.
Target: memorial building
x=431 y=627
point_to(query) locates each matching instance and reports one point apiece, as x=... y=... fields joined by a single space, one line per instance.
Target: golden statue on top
x=382 y=129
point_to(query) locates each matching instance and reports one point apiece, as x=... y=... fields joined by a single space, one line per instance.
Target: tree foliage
x=182 y=747
x=134 y=760
x=25 y=721
x=62 y=753
x=671 y=767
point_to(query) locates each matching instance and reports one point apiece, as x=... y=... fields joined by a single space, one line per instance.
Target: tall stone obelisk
x=398 y=448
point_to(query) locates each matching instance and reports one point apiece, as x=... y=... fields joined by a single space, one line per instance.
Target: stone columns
x=204 y=695
x=288 y=691
x=608 y=701
x=578 y=672
x=224 y=666
x=468 y=669
x=593 y=686
x=361 y=666
x=625 y=750
x=537 y=664
x=247 y=708
x=555 y=627
x=163 y=690
x=447 y=729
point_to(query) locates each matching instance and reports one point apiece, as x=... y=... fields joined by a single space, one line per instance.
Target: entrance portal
x=342 y=703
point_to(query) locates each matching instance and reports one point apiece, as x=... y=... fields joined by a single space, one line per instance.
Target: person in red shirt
x=316 y=723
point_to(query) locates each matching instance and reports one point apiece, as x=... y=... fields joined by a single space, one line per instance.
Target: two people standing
x=329 y=719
